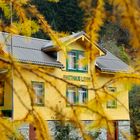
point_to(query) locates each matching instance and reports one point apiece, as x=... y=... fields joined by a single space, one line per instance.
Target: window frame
x=77 y=52
x=76 y=101
x=86 y=97
x=43 y=92
x=67 y=95
x=112 y=103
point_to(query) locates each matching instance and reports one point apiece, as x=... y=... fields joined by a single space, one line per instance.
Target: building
x=53 y=74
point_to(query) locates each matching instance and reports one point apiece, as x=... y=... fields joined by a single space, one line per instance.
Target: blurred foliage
x=62 y=131
x=28 y=20
x=134 y=96
x=119 y=51
x=66 y=131
x=116 y=40
x=21 y=21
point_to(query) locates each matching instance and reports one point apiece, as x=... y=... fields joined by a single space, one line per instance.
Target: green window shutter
x=86 y=100
x=75 y=60
x=75 y=99
x=114 y=104
x=77 y=57
x=67 y=96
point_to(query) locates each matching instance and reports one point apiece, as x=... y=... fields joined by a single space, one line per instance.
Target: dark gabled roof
x=106 y=63
x=23 y=41
x=111 y=63
x=28 y=50
x=50 y=45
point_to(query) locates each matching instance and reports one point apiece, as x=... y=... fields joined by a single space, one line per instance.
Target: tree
x=64 y=16
x=124 y=11
x=134 y=110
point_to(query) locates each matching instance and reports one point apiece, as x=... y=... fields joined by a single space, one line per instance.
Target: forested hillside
x=64 y=16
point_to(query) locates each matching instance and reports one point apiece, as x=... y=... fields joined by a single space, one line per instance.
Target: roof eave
x=111 y=71
x=50 y=49
x=57 y=65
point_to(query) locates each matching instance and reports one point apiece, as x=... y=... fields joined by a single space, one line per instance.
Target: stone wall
x=74 y=134
x=24 y=130
x=123 y=127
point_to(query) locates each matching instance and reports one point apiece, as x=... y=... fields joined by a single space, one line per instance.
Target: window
x=82 y=92
x=112 y=103
x=74 y=62
x=77 y=95
x=1 y=93
x=80 y=64
x=71 y=95
x=39 y=92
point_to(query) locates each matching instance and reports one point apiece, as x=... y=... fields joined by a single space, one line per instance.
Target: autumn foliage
x=20 y=17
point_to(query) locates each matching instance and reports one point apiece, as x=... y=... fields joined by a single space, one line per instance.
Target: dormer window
x=74 y=61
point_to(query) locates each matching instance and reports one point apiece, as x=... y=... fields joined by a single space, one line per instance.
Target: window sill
x=113 y=107
x=75 y=105
x=39 y=105
x=74 y=70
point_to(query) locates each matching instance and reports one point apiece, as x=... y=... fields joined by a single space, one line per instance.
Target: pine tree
x=63 y=16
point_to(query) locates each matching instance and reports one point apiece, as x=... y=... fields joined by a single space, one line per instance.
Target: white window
x=72 y=60
x=71 y=95
x=75 y=61
x=76 y=95
x=112 y=103
x=82 y=95
x=80 y=63
x=39 y=93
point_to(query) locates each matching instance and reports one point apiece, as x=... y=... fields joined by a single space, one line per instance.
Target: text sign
x=77 y=78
